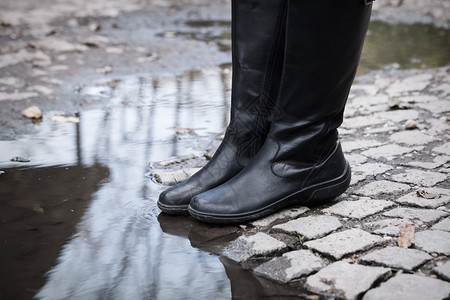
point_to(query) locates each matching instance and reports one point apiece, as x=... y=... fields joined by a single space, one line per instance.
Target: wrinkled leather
x=257 y=51
x=301 y=160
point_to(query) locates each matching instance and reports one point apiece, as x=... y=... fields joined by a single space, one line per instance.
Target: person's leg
x=257 y=51
x=301 y=160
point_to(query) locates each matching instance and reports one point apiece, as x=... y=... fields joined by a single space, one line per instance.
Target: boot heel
x=333 y=189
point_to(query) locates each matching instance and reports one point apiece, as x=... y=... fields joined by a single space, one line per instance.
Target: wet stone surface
x=396 y=257
x=310 y=227
x=410 y=286
x=346 y=242
x=291 y=265
x=344 y=280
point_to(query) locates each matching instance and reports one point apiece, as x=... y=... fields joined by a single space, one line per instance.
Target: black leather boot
x=257 y=50
x=301 y=160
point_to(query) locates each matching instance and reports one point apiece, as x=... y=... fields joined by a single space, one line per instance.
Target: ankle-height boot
x=257 y=51
x=301 y=160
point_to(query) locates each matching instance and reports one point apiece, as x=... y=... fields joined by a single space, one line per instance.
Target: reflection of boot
x=257 y=41
x=301 y=160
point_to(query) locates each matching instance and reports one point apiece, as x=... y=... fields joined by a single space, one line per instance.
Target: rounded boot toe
x=174 y=202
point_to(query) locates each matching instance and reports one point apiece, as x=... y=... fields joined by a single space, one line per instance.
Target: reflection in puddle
x=118 y=247
x=87 y=181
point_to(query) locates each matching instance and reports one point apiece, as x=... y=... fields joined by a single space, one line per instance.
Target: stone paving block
x=387 y=151
x=349 y=146
x=372 y=169
x=410 y=287
x=444 y=149
x=397 y=257
x=381 y=129
x=436 y=107
x=310 y=227
x=437 y=162
x=358 y=209
x=344 y=280
x=409 y=84
x=425 y=215
x=174 y=177
x=382 y=187
x=433 y=241
x=291 y=265
x=419 y=177
x=438 y=127
x=289 y=213
x=176 y=160
x=411 y=137
x=389 y=227
x=415 y=200
x=356 y=159
x=400 y=115
x=443 y=270
x=419 y=98
x=361 y=121
x=248 y=246
x=357 y=178
x=442 y=225
x=346 y=242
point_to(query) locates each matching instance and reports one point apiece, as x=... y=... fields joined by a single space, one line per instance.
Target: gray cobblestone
x=415 y=200
x=358 y=209
x=411 y=137
x=389 y=227
x=443 y=270
x=248 y=246
x=344 y=280
x=409 y=84
x=289 y=213
x=174 y=177
x=398 y=115
x=361 y=121
x=437 y=107
x=371 y=169
x=310 y=227
x=433 y=241
x=396 y=257
x=410 y=287
x=425 y=215
x=291 y=265
x=444 y=149
x=356 y=159
x=382 y=187
x=346 y=242
x=437 y=162
x=419 y=177
x=387 y=151
x=349 y=146
x=442 y=225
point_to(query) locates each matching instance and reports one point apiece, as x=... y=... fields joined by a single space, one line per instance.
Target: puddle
x=403 y=46
x=84 y=209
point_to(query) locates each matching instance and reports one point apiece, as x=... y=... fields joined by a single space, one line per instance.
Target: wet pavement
x=79 y=220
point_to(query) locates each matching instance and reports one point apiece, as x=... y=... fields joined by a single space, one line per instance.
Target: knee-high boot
x=257 y=51
x=301 y=160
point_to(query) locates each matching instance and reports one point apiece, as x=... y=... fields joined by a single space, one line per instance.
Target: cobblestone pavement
x=396 y=136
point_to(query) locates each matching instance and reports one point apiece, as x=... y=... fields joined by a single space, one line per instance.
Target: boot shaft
x=323 y=45
x=258 y=31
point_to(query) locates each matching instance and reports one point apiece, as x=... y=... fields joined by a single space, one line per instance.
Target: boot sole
x=176 y=210
x=317 y=193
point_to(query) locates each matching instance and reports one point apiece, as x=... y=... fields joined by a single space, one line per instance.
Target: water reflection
x=117 y=248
